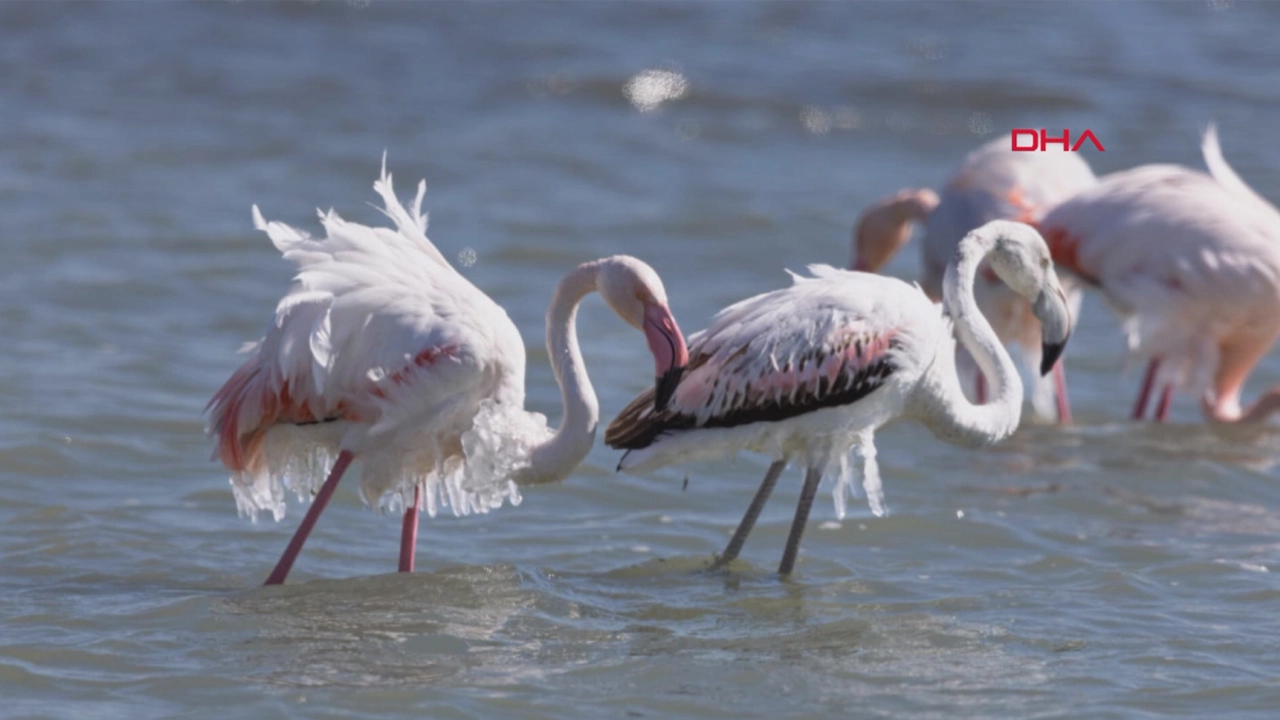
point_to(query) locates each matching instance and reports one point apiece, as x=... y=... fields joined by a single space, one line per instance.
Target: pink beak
x=670 y=354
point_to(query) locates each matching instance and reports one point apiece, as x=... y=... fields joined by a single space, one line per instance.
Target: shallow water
x=1103 y=570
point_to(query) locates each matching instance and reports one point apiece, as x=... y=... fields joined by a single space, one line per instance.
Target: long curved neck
x=948 y=413
x=555 y=459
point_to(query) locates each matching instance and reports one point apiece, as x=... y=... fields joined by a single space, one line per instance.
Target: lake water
x=1104 y=570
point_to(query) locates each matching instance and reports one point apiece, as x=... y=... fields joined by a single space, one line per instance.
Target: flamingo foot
x=294 y=547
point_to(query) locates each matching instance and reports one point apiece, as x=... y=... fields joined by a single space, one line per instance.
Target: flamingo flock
x=381 y=352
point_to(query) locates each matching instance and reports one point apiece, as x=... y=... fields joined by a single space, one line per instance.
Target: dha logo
x=1038 y=140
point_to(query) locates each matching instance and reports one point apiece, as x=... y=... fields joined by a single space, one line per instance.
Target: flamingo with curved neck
x=382 y=351
x=992 y=183
x=805 y=373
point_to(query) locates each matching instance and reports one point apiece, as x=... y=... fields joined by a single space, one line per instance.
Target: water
x=1105 y=570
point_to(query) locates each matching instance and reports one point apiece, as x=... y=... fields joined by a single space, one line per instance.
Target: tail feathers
x=632 y=428
x=284 y=237
x=412 y=225
x=1227 y=177
x=236 y=417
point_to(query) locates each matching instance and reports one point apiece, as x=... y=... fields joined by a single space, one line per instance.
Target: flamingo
x=1191 y=264
x=382 y=351
x=808 y=372
x=993 y=183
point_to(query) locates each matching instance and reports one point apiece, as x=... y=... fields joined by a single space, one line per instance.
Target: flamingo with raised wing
x=382 y=351
x=993 y=183
x=1191 y=264
x=807 y=372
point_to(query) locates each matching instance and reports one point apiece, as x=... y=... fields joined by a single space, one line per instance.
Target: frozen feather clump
x=497 y=450
x=297 y=459
x=845 y=488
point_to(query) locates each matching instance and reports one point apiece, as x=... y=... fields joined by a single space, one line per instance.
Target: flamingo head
x=635 y=292
x=1020 y=257
x=885 y=227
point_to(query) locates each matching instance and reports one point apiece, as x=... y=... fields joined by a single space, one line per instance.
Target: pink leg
x=313 y=513
x=409 y=533
x=1060 y=393
x=1140 y=408
x=1162 y=408
x=980 y=388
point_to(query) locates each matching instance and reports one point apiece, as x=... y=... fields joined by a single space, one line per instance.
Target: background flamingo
x=1191 y=263
x=382 y=351
x=806 y=372
x=992 y=183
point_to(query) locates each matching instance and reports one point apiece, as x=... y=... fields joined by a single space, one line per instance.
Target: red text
x=1031 y=140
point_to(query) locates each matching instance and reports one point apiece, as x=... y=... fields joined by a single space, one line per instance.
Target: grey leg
x=753 y=513
x=812 y=477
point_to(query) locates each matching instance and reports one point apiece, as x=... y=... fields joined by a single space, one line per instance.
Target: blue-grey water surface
x=1105 y=570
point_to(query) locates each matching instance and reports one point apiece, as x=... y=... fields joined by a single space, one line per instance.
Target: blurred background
x=1107 y=569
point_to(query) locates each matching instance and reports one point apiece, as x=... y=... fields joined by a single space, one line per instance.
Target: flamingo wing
x=825 y=341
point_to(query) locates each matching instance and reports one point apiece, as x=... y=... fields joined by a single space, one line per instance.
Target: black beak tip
x=1049 y=354
x=665 y=387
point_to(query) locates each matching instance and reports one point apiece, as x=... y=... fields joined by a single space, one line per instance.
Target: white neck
x=946 y=410
x=555 y=459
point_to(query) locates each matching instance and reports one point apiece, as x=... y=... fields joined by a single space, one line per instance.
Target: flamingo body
x=380 y=347
x=808 y=372
x=1191 y=264
x=382 y=352
x=801 y=372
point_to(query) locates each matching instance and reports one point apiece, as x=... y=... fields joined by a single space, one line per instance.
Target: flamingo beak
x=1050 y=307
x=670 y=354
x=1049 y=355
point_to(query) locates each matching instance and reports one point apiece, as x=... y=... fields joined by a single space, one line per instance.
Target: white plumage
x=381 y=350
x=1191 y=264
x=805 y=373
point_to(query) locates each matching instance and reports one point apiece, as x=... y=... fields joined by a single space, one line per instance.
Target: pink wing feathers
x=785 y=353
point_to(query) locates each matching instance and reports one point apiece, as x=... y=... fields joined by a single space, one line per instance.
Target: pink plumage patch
x=249 y=403
x=425 y=357
x=1064 y=248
